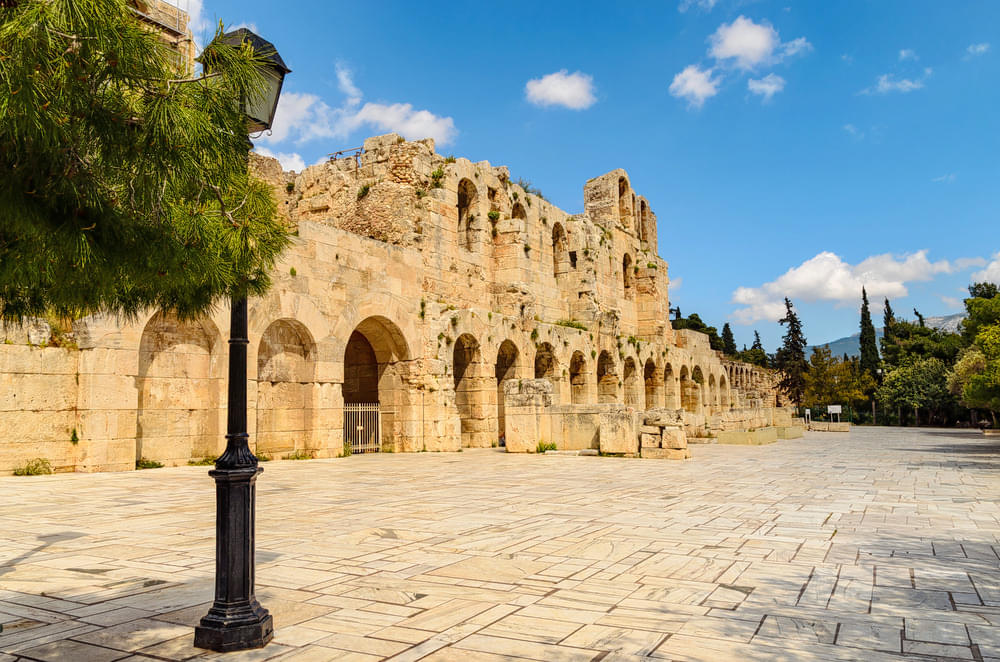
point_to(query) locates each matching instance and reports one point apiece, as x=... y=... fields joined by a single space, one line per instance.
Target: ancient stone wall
x=422 y=283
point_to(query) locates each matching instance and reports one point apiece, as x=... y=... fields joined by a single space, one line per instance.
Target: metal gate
x=363 y=427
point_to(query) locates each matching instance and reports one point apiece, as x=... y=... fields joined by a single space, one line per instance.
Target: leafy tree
x=983 y=290
x=917 y=385
x=980 y=312
x=831 y=380
x=911 y=342
x=869 y=344
x=790 y=359
x=728 y=341
x=920 y=318
x=123 y=184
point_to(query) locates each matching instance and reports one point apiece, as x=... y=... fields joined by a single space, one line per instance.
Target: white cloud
x=750 y=44
x=887 y=83
x=991 y=273
x=975 y=50
x=795 y=46
x=705 y=5
x=827 y=277
x=907 y=54
x=747 y=42
x=854 y=131
x=345 y=83
x=951 y=302
x=252 y=27
x=304 y=117
x=695 y=85
x=963 y=263
x=945 y=179
x=570 y=90
x=291 y=161
x=767 y=86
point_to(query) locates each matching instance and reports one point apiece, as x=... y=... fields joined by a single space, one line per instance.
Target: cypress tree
x=869 y=344
x=790 y=358
x=757 y=344
x=728 y=341
x=888 y=319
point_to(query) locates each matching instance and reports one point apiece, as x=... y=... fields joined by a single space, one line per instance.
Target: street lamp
x=236 y=621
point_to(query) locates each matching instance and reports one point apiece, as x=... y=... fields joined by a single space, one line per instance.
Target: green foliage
x=869 y=346
x=436 y=178
x=756 y=354
x=494 y=216
x=981 y=313
x=832 y=380
x=790 y=359
x=292 y=272
x=728 y=341
x=528 y=188
x=534 y=335
x=74 y=438
x=910 y=342
x=545 y=446
x=143 y=463
x=363 y=191
x=983 y=290
x=203 y=462
x=919 y=384
x=450 y=158
x=976 y=375
x=346 y=450
x=289 y=187
x=300 y=454
x=37 y=467
x=573 y=324
x=122 y=186
x=264 y=457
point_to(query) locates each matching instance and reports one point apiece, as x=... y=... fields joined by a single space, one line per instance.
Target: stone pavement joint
x=878 y=545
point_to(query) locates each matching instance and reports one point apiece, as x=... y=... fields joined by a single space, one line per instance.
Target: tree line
x=915 y=374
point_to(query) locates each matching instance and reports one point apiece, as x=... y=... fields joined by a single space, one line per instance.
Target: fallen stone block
x=665 y=454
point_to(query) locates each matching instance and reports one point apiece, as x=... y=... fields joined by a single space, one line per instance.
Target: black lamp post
x=236 y=621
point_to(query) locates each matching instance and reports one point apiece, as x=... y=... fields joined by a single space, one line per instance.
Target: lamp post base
x=225 y=633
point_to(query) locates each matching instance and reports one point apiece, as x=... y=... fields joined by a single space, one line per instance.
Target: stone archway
x=690 y=392
x=472 y=392
x=671 y=392
x=504 y=369
x=179 y=416
x=607 y=379
x=578 y=378
x=547 y=367
x=373 y=361
x=631 y=383
x=286 y=361
x=651 y=384
x=468 y=198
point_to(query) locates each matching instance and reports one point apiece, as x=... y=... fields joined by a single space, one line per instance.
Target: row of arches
x=180 y=413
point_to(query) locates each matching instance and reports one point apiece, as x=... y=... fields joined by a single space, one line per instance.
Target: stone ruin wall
x=428 y=283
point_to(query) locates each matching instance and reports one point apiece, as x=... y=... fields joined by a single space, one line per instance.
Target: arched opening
x=467 y=199
x=723 y=393
x=505 y=368
x=623 y=200
x=178 y=417
x=546 y=365
x=643 y=220
x=713 y=394
x=631 y=382
x=651 y=382
x=690 y=400
x=671 y=393
x=518 y=211
x=285 y=372
x=560 y=251
x=578 y=378
x=627 y=275
x=372 y=376
x=471 y=392
x=607 y=379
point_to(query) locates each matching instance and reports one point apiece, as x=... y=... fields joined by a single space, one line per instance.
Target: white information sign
x=833 y=409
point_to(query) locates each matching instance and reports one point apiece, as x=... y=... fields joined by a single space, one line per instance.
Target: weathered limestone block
x=665 y=454
x=618 y=433
x=674 y=437
x=527 y=421
x=649 y=440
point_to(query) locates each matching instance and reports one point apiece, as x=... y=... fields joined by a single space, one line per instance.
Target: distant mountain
x=851 y=345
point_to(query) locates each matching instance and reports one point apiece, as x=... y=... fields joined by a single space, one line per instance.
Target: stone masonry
x=437 y=288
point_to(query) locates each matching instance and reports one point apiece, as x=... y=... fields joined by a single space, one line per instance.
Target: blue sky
x=795 y=149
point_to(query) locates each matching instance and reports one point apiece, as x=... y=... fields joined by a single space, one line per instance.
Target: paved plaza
x=877 y=545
